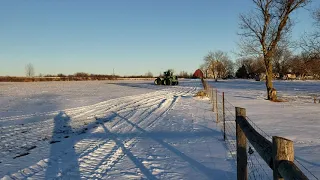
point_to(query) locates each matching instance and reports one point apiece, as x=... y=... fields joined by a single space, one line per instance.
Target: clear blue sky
x=131 y=36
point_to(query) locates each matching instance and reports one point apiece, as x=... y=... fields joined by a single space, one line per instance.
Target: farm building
x=198 y=74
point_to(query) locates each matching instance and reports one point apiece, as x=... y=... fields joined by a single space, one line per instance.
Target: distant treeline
x=59 y=77
x=67 y=78
x=80 y=76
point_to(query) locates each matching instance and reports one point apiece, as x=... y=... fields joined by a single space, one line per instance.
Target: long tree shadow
x=158 y=137
x=56 y=161
x=210 y=173
x=61 y=161
x=127 y=152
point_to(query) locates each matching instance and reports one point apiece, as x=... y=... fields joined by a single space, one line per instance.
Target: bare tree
x=228 y=65
x=204 y=69
x=183 y=74
x=254 y=66
x=29 y=70
x=280 y=61
x=249 y=64
x=311 y=41
x=218 y=63
x=263 y=28
x=310 y=58
x=304 y=66
x=211 y=63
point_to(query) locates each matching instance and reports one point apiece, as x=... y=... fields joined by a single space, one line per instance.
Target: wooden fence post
x=224 y=117
x=216 y=99
x=212 y=100
x=211 y=92
x=216 y=105
x=242 y=168
x=282 y=149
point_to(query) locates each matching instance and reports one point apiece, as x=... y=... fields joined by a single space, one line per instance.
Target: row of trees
x=284 y=63
x=265 y=29
x=265 y=33
x=185 y=74
x=30 y=72
x=265 y=41
x=305 y=65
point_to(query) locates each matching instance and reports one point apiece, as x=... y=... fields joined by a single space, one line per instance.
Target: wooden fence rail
x=278 y=154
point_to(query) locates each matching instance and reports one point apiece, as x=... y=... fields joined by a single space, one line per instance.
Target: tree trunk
x=215 y=74
x=271 y=92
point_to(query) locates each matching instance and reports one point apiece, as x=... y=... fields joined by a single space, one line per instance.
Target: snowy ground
x=133 y=129
x=142 y=132
x=298 y=119
x=28 y=98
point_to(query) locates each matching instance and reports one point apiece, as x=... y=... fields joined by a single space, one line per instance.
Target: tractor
x=168 y=79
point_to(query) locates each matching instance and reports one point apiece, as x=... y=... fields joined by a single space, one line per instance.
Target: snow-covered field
x=136 y=130
x=109 y=130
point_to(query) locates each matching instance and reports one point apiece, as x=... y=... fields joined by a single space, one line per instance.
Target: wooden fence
x=278 y=154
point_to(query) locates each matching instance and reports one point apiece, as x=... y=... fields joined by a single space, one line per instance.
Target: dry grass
x=279 y=100
x=201 y=94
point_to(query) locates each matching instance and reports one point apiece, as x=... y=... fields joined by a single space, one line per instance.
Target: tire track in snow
x=31 y=171
x=38 y=131
x=49 y=124
x=124 y=147
x=87 y=155
x=95 y=110
x=77 y=109
x=139 y=102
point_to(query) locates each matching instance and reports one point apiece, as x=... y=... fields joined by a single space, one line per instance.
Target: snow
x=297 y=119
x=136 y=130
x=129 y=130
x=38 y=97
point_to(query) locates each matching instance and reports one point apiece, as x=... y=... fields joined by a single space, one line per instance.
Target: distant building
x=198 y=74
x=290 y=76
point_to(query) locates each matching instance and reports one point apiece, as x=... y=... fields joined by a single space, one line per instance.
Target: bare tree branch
x=267 y=27
x=29 y=70
x=218 y=63
x=311 y=42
